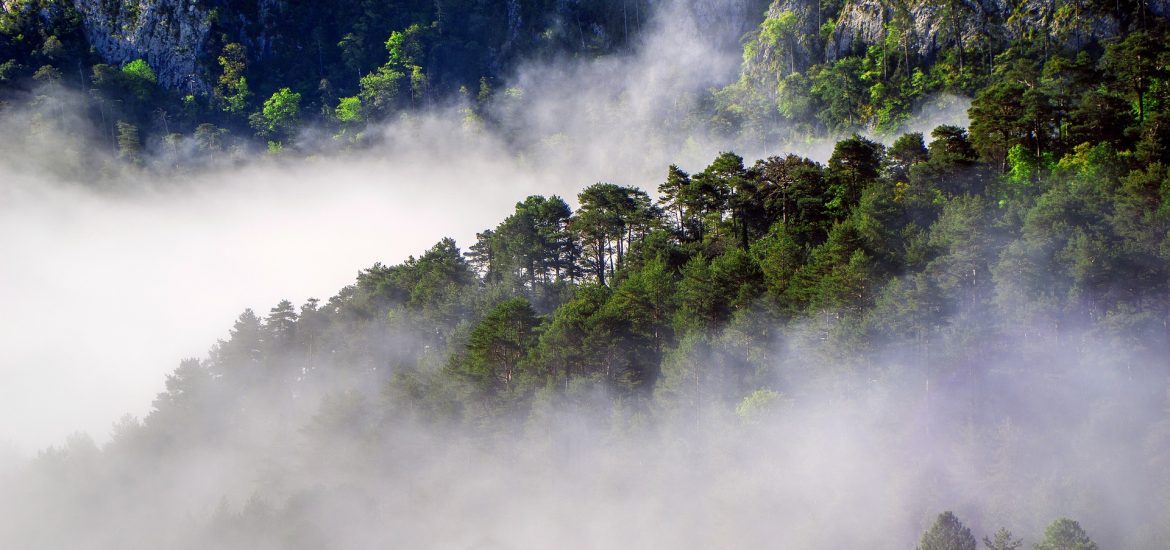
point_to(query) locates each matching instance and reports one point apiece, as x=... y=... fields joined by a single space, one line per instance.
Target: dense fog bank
x=839 y=459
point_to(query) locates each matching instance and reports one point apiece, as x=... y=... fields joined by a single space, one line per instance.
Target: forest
x=246 y=84
x=239 y=82
x=982 y=312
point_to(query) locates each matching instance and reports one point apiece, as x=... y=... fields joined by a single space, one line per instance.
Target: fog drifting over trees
x=826 y=349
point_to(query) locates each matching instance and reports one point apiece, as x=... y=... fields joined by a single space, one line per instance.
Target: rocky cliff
x=788 y=40
x=170 y=35
x=805 y=32
x=927 y=26
x=174 y=36
x=931 y=25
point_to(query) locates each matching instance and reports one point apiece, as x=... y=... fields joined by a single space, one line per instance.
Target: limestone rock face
x=800 y=47
x=861 y=22
x=934 y=24
x=930 y=26
x=169 y=34
x=173 y=36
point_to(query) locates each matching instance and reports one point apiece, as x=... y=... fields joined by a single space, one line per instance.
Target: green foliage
x=140 y=78
x=793 y=98
x=836 y=276
x=349 y=111
x=1065 y=534
x=280 y=116
x=952 y=165
x=563 y=345
x=842 y=92
x=756 y=405
x=779 y=257
x=1024 y=168
x=498 y=345
x=406 y=47
x=1003 y=541
x=532 y=248
x=749 y=51
x=633 y=331
x=232 y=89
x=947 y=533
x=1046 y=92
x=47 y=74
x=610 y=221
x=856 y=162
x=794 y=191
x=209 y=139
x=684 y=388
x=907 y=151
x=700 y=305
x=1140 y=62
x=140 y=70
x=129 y=144
x=775 y=29
x=380 y=91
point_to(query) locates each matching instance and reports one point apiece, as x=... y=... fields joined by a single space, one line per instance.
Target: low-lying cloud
x=114 y=274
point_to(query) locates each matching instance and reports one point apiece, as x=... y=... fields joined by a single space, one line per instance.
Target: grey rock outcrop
x=935 y=24
x=169 y=34
x=799 y=47
x=929 y=26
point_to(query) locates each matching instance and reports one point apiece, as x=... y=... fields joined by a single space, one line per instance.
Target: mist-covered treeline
x=779 y=352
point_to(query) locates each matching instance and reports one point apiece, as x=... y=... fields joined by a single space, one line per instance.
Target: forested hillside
x=757 y=352
x=176 y=81
x=812 y=67
x=230 y=75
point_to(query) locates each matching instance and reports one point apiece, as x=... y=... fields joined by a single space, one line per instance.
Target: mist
x=849 y=455
x=111 y=279
x=89 y=271
x=165 y=260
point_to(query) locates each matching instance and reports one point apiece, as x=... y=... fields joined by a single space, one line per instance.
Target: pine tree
x=1065 y=534
x=1003 y=541
x=947 y=533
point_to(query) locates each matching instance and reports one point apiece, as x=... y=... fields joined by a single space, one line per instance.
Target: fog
x=110 y=279
x=107 y=290
x=850 y=455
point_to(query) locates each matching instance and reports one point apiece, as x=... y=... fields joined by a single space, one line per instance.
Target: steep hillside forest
x=228 y=75
x=1005 y=285
x=224 y=76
